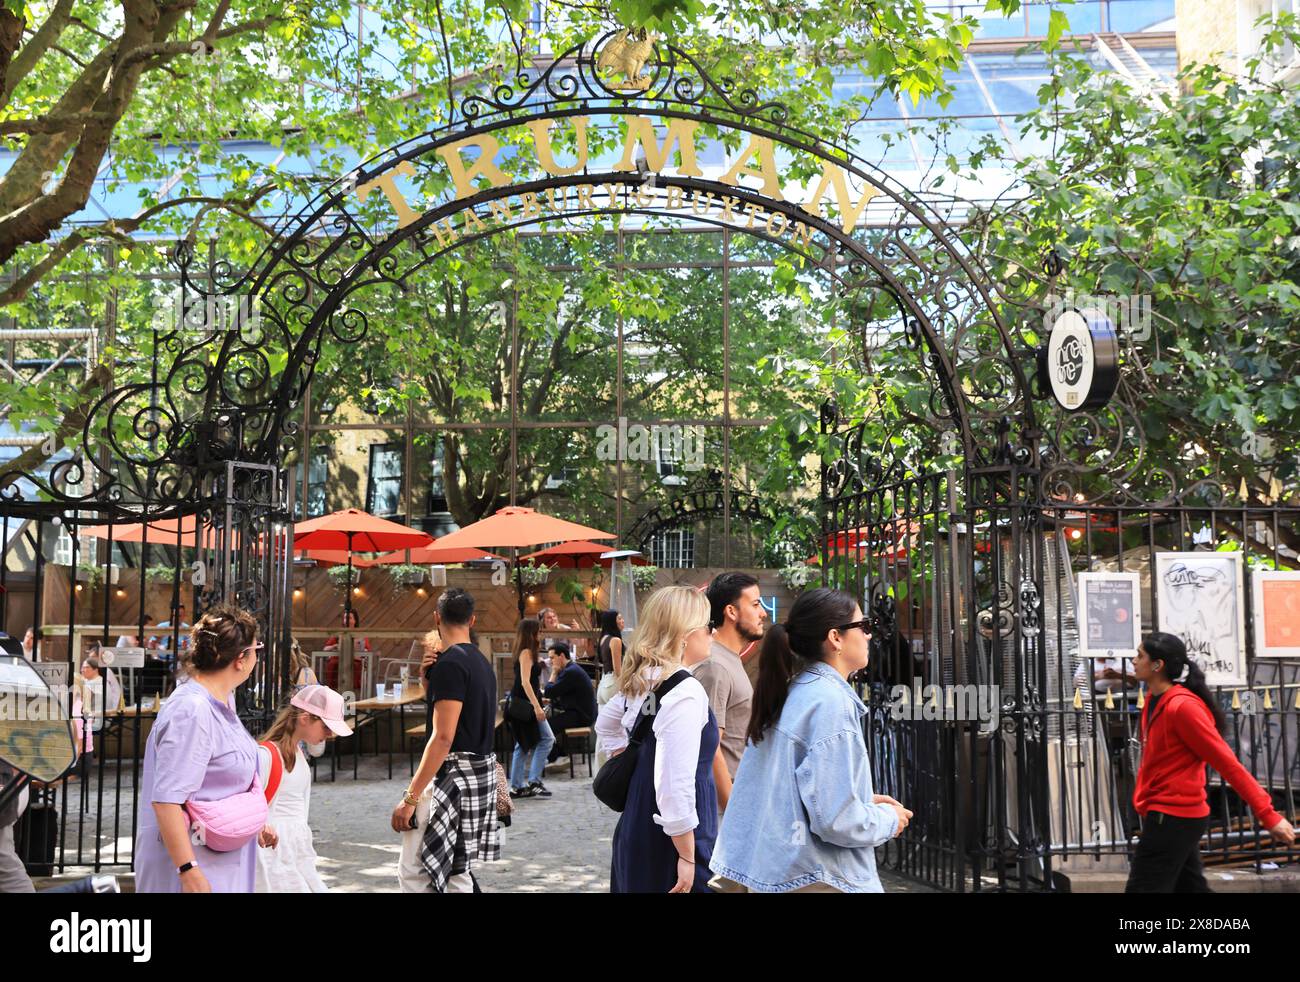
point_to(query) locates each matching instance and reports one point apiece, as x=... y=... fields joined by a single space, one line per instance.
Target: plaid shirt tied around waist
x=462 y=818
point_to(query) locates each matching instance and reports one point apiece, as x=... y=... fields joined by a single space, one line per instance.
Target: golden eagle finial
x=626 y=54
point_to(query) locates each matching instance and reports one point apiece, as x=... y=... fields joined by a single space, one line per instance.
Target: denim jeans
x=531 y=761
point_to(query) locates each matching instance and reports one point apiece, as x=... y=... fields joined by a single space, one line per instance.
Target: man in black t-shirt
x=463 y=691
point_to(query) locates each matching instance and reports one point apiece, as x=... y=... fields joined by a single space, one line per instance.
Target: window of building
x=384 y=485
x=437 y=481
x=673 y=549
x=668 y=458
x=565 y=475
x=317 y=473
x=86 y=548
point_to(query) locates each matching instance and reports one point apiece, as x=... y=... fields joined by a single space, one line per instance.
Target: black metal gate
x=986 y=717
x=236 y=548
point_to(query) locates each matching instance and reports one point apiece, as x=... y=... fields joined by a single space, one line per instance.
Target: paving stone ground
x=558 y=844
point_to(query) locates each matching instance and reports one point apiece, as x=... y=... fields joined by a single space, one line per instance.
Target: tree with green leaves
x=152 y=93
x=1184 y=199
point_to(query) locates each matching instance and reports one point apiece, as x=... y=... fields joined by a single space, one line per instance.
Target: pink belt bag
x=227 y=824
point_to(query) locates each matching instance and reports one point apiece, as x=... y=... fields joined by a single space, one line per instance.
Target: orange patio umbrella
x=434 y=555
x=516 y=527
x=354 y=530
x=163 y=532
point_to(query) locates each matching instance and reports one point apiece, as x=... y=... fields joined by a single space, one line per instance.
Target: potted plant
x=534 y=574
x=407 y=574
x=644 y=577
x=339 y=576
x=91 y=574
x=161 y=574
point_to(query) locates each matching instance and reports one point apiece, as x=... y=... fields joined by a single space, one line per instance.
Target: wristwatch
x=186 y=867
x=410 y=799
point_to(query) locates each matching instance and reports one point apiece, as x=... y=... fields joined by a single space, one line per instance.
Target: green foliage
x=534 y=574
x=338 y=576
x=307 y=82
x=644 y=577
x=1191 y=198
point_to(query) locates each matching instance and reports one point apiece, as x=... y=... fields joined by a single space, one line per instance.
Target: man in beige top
x=738 y=618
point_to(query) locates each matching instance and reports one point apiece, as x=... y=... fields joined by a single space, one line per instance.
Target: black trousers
x=568 y=719
x=1168 y=856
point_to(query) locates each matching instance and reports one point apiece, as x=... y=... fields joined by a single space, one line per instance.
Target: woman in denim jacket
x=802 y=814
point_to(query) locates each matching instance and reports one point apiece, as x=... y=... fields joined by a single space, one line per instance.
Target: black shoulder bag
x=614 y=779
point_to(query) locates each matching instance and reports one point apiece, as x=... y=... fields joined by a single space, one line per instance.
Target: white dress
x=291 y=866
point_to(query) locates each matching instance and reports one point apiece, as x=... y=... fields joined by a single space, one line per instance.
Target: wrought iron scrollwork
x=311 y=278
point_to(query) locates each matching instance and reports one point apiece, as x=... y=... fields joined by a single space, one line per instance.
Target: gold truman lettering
x=834 y=177
x=762 y=146
x=485 y=166
x=546 y=153
x=445 y=231
x=680 y=131
x=388 y=184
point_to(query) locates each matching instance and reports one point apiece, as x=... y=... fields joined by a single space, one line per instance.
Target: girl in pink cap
x=314 y=714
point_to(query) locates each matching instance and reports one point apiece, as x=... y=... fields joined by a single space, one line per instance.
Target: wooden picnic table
x=366 y=711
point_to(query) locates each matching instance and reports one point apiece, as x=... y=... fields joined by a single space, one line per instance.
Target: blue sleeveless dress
x=645 y=858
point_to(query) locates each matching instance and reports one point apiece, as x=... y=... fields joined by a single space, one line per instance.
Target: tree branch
x=88 y=393
x=53 y=123
x=122 y=228
x=11 y=36
x=32 y=52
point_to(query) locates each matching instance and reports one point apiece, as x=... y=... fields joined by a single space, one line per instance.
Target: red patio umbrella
x=578 y=553
x=163 y=532
x=434 y=555
x=334 y=557
x=354 y=530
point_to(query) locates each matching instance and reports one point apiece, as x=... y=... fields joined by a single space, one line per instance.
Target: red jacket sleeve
x=1195 y=726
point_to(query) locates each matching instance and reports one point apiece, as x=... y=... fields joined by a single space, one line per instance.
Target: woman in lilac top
x=198 y=750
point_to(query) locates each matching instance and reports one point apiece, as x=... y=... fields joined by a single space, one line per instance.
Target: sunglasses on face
x=864 y=625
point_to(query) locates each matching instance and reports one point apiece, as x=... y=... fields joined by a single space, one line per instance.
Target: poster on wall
x=1200 y=599
x=1276 y=610
x=1109 y=610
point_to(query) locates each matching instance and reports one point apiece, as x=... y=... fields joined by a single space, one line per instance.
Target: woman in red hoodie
x=1181 y=724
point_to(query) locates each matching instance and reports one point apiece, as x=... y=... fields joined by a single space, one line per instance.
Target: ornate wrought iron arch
x=709 y=497
x=221 y=398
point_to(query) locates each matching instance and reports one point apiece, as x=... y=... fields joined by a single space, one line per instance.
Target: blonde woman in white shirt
x=664 y=838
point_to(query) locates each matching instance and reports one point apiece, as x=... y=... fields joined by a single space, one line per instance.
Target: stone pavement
x=559 y=844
